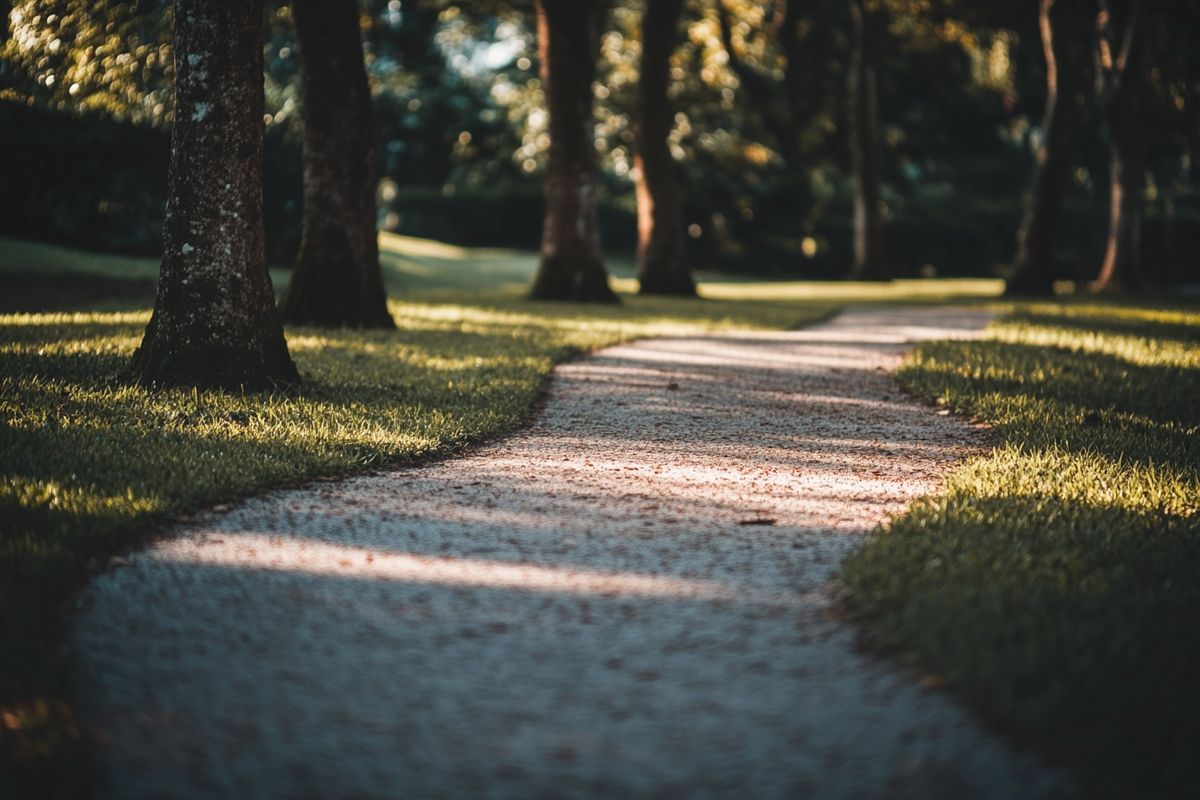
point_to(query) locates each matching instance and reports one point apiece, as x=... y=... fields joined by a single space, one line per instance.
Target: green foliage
x=1054 y=582
x=87 y=179
x=112 y=56
x=758 y=134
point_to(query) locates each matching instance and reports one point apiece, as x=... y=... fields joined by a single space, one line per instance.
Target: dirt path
x=626 y=600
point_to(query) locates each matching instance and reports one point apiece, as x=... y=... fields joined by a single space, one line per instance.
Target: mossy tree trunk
x=214 y=321
x=1119 y=81
x=572 y=266
x=337 y=282
x=1063 y=40
x=662 y=252
x=866 y=153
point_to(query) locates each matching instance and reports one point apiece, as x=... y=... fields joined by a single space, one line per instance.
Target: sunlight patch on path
x=262 y=551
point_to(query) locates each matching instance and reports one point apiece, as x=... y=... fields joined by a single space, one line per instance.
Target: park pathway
x=628 y=599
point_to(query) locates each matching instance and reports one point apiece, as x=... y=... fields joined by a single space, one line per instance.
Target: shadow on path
x=625 y=600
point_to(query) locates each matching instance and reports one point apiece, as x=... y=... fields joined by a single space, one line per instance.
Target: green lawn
x=91 y=465
x=1055 y=582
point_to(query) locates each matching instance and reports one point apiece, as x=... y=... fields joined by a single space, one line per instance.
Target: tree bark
x=1033 y=272
x=337 y=282
x=1119 y=84
x=572 y=266
x=214 y=321
x=662 y=253
x=870 y=256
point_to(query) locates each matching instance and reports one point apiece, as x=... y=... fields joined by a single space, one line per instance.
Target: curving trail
x=628 y=599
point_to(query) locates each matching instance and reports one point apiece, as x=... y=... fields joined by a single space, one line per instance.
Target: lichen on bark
x=214 y=322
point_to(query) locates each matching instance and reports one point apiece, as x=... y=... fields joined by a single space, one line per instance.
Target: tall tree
x=1063 y=44
x=214 y=321
x=868 y=28
x=662 y=253
x=572 y=266
x=1120 y=88
x=337 y=281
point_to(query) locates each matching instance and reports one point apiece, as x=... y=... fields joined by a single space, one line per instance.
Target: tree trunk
x=662 y=253
x=1033 y=273
x=572 y=267
x=1119 y=83
x=337 y=282
x=870 y=256
x=214 y=321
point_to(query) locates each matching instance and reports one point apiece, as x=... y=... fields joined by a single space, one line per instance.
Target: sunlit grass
x=959 y=290
x=436 y=270
x=1055 y=581
x=91 y=463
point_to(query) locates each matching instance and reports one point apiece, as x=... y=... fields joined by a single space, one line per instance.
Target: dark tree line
x=1120 y=44
x=1107 y=38
x=869 y=29
x=1059 y=23
x=215 y=320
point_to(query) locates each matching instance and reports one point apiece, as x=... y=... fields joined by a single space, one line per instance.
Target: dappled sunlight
x=81 y=318
x=256 y=551
x=811 y=479
x=394 y=243
x=1139 y=350
x=663 y=536
x=715 y=355
x=1138 y=317
x=1054 y=578
x=849 y=291
x=1087 y=479
x=83 y=344
x=68 y=496
x=757 y=445
x=547 y=317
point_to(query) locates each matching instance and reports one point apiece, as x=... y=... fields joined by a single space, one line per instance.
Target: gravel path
x=628 y=599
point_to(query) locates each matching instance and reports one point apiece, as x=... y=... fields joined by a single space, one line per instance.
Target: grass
x=92 y=465
x=1055 y=582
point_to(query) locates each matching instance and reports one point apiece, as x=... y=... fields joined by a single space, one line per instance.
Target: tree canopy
x=759 y=131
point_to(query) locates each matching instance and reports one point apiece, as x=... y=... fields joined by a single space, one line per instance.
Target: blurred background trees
x=760 y=130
